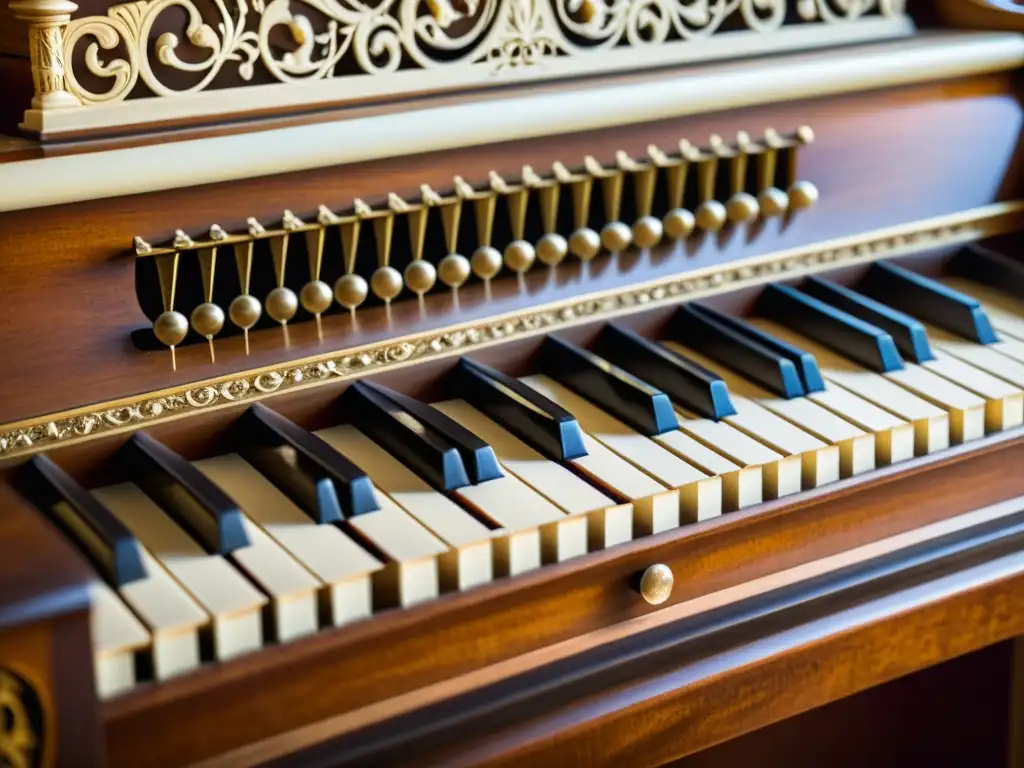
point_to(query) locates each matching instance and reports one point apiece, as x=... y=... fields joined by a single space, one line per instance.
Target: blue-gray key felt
x=108 y=544
x=320 y=480
x=928 y=300
x=989 y=268
x=617 y=391
x=909 y=334
x=848 y=335
x=520 y=409
x=695 y=329
x=684 y=381
x=442 y=452
x=805 y=362
x=186 y=494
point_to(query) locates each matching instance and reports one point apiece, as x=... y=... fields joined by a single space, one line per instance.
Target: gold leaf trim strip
x=47 y=432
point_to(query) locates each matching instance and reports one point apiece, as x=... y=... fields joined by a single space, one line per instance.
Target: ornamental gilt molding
x=48 y=432
x=150 y=50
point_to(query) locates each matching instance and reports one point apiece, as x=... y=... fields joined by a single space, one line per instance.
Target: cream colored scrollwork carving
x=129 y=26
x=352 y=38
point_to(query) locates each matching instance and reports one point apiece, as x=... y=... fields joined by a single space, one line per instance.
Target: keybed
x=402 y=501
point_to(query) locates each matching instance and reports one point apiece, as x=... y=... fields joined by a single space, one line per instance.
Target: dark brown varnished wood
x=75 y=306
x=44 y=630
x=445 y=639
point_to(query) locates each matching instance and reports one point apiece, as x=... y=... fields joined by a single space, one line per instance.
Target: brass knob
x=656 y=584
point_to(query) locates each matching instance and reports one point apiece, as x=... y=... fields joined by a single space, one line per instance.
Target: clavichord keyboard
x=593 y=439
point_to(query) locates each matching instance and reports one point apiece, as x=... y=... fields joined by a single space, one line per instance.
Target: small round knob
x=350 y=291
x=486 y=262
x=453 y=270
x=647 y=231
x=420 y=276
x=519 y=256
x=207 y=319
x=171 y=328
x=584 y=243
x=773 y=202
x=551 y=249
x=616 y=237
x=316 y=297
x=386 y=282
x=742 y=208
x=656 y=584
x=245 y=311
x=679 y=223
x=711 y=216
x=802 y=195
x=282 y=304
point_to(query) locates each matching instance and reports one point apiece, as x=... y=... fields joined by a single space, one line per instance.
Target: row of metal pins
x=420 y=275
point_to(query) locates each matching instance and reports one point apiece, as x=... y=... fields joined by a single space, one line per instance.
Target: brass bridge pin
x=454 y=269
x=584 y=243
x=679 y=222
x=207 y=318
x=171 y=327
x=281 y=302
x=316 y=295
x=656 y=584
x=350 y=290
x=245 y=309
x=486 y=260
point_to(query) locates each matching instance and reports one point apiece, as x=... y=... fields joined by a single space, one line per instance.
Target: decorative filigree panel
x=437 y=43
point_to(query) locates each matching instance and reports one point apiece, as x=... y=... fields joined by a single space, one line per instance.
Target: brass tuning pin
x=350 y=290
x=281 y=302
x=316 y=295
x=711 y=214
x=552 y=248
x=615 y=235
x=802 y=194
x=679 y=222
x=584 y=243
x=772 y=200
x=171 y=327
x=486 y=260
x=519 y=254
x=420 y=275
x=208 y=318
x=386 y=281
x=647 y=230
x=454 y=268
x=245 y=309
x=742 y=207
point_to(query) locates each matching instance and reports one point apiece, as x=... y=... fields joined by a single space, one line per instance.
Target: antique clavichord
x=511 y=382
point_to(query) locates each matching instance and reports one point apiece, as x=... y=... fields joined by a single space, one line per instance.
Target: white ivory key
x=929 y=421
x=117 y=636
x=234 y=604
x=1004 y=403
x=608 y=522
x=894 y=436
x=474 y=548
x=820 y=461
x=700 y=495
x=343 y=569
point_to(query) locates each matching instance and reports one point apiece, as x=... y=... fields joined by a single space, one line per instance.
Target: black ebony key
x=909 y=334
x=989 y=268
x=682 y=380
x=695 y=329
x=322 y=481
x=613 y=389
x=112 y=549
x=185 y=493
x=848 y=335
x=805 y=362
x=444 y=453
x=928 y=300
x=520 y=409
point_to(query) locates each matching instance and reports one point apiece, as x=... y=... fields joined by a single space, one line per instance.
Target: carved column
x=46 y=20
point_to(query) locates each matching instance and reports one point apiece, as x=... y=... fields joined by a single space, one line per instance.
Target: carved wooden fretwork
x=227 y=56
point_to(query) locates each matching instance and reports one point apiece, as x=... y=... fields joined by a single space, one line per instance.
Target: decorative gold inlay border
x=32 y=436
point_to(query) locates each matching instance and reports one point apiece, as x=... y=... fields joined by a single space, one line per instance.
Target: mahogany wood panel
x=952 y=714
x=44 y=629
x=665 y=716
x=458 y=634
x=66 y=283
